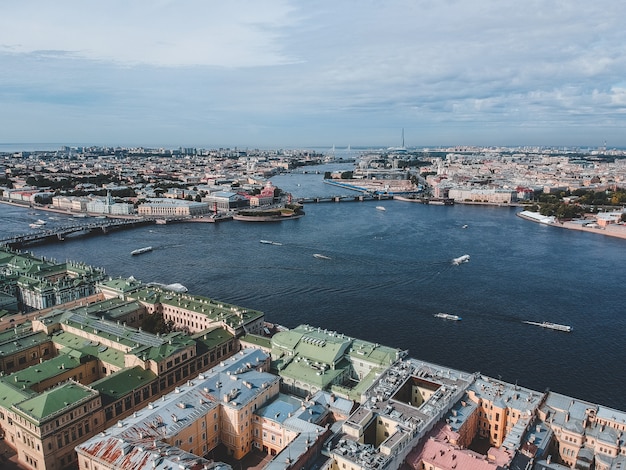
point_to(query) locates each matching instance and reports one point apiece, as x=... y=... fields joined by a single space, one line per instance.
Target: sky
x=297 y=74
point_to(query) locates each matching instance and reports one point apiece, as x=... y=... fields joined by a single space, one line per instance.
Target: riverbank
x=583 y=225
x=46 y=208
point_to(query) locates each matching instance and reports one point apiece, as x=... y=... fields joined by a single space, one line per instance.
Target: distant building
x=226 y=201
x=492 y=196
x=165 y=207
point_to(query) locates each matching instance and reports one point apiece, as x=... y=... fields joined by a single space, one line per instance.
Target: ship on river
x=550 y=325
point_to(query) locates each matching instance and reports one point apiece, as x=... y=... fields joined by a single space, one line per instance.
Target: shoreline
x=67 y=212
x=612 y=230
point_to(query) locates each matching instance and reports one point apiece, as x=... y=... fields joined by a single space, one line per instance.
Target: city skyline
x=292 y=74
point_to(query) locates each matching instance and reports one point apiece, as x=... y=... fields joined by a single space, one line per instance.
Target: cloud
x=179 y=69
x=161 y=33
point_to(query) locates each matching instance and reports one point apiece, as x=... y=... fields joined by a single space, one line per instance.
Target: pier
x=61 y=233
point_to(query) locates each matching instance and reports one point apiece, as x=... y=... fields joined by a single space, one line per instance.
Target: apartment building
x=215 y=407
x=75 y=373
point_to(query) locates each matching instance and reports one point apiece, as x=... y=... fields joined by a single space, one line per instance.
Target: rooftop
x=52 y=402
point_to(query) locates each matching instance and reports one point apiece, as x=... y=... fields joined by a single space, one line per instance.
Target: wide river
x=388 y=272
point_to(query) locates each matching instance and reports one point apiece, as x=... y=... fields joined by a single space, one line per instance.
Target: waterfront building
x=189 y=313
x=226 y=201
x=165 y=207
x=107 y=205
x=37 y=283
x=311 y=359
x=492 y=196
x=72 y=373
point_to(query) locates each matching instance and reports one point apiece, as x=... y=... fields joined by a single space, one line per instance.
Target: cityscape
x=290 y=235
x=103 y=372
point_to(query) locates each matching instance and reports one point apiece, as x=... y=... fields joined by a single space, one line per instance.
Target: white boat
x=319 y=256
x=35 y=225
x=270 y=242
x=380 y=208
x=40 y=222
x=447 y=316
x=465 y=226
x=139 y=251
x=461 y=259
x=550 y=326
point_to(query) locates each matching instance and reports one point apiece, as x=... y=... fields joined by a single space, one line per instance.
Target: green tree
x=155 y=323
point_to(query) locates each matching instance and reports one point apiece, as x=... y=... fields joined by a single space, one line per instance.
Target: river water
x=389 y=271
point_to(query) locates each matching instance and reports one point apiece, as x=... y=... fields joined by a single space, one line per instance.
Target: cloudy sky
x=294 y=73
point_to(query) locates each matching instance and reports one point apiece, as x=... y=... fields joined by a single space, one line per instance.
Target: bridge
x=348 y=198
x=68 y=231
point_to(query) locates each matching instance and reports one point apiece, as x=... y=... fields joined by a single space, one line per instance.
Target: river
x=388 y=272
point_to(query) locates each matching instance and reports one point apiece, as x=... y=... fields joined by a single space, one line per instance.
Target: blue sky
x=282 y=73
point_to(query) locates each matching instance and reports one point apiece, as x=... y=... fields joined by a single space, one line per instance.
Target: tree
x=155 y=323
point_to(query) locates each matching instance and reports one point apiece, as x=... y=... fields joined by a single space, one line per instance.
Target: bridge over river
x=61 y=233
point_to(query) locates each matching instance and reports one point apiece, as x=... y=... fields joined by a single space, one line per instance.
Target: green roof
x=314 y=344
x=122 y=382
x=308 y=373
x=10 y=395
x=47 y=404
x=209 y=339
x=38 y=373
x=374 y=353
x=213 y=309
x=11 y=343
x=111 y=308
x=257 y=340
x=173 y=342
x=105 y=354
x=121 y=285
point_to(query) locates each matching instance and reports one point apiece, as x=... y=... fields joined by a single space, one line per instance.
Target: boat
x=550 y=326
x=139 y=251
x=319 y=256
x=270 y=242
x=461 y=259
x=447 y=316
x=40 y=222
x=35 y=225
x=380 y=208
x=465 y=226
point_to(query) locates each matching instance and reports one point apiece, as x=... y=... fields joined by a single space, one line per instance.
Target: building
x=165 y=207
x=189 y=313
x=215 y=407
x=74 y=372
x=311 y=359
x=37 y=283
x=491 y=196
x=225 y=201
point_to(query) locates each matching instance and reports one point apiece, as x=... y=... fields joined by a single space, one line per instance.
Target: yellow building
x=215 y=407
